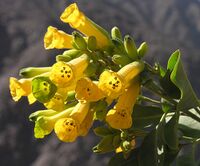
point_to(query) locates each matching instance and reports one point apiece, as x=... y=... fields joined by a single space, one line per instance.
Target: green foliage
x=167 y=124
x=179 y=78
x=189 y=127
x=146 y=116
x=161 y=126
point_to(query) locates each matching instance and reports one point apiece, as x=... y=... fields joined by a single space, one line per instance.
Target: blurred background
x=164 y=25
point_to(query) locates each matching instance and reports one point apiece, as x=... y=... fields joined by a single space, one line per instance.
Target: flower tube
x=22 y=87
x=79 y=21
x=113 y=84
x=87 y=90
x=55 y=38
x=67 y=129
x=66 y=74
x=120 y=116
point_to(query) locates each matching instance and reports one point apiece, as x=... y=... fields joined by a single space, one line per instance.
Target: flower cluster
x=96 y=78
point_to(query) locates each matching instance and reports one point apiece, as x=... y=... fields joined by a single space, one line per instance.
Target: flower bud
x=142 y=49
x=79 y=41
x=130 y=47
x=121 y=59
x=115 y=33
x=92 y=43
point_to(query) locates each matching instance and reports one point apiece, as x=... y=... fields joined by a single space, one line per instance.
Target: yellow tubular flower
x=55 y=38
x=86 y=124
x=31 y=98
x=113 y=84
x=44 y=124
x=66 y=129
x=120 y=116
x=79 y=21
x=131 y=70
x=129 y=97
x=19 y=88
x=80 y=111
x=66 y=74
x=86 y=90
x=56 y=103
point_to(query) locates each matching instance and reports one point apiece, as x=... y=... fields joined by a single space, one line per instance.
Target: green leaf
x=170 y=132
x=178 y=76
x=189 y=127
x=187 y=158
x=148 y=150
x=105 y=145
x=102 y=131
x=43 y=89
x=116 y=141
x=169 y=155
x=144 y=116
x=169 y=86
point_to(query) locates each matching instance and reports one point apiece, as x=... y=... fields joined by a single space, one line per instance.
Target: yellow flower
x=113 y=84
x=120 y=116
x=86 y=90
x=19 y=88
x=80 y=111
x=66 y=74
x=56 y=103
x=66 y=129
x=46 y=119
x=129 y=97
x=77 y=124
x=86 y=124
x=79 y=21
x=31 y=98
x=55 y=38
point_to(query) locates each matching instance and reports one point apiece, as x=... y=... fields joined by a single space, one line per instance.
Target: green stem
x=144 y=98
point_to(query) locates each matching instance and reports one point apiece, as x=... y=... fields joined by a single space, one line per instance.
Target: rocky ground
x=165 y=25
